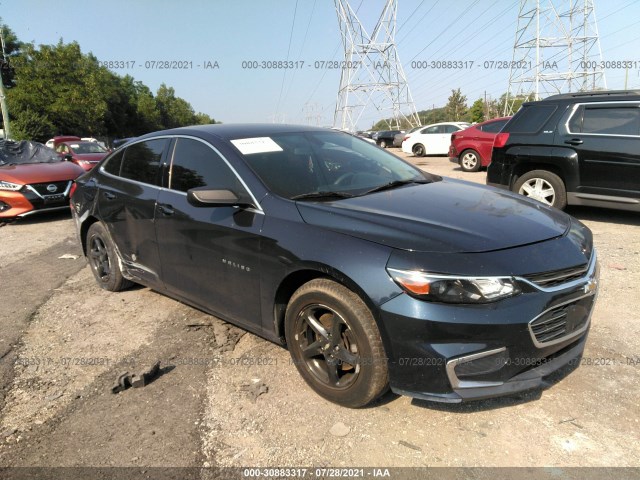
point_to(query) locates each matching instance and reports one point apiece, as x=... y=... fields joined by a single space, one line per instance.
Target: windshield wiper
x=396 y=183
x=318 y=195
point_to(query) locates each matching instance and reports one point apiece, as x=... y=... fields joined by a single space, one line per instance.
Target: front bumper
x=455 y=353
x=28 y=201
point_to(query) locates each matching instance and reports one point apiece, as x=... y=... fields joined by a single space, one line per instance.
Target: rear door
x=606 y=137
x=128 y=190
x=210 y=255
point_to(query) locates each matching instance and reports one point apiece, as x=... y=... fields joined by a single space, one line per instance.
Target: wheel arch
x=297 y=278
x=561 y=161
x=84 y=229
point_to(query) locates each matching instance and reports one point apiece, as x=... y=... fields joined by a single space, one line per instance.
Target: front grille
x=41 y=188
x=564 y=321
x=558 y=277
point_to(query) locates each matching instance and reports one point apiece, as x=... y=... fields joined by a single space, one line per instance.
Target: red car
x=85 y=154
x=32 y=180
x=471 y=147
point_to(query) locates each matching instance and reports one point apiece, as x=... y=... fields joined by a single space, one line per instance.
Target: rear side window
x=112 y=165
x=434 y=129
x=493 y=127
x=614 y=120
x=450 y=128
x=142 y=161
x=197 y=165
x=531 y=119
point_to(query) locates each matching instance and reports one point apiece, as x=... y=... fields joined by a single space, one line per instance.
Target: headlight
x=14 y=187
x=454 y=289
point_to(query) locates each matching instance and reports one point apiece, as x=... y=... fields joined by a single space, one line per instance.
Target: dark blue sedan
x=373 y=273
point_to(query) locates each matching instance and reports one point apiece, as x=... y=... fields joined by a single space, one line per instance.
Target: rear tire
x=103 y=259
x=383 y=143
x=543 y=186
x=470 y=161
x=418 y=150
x=335 y=343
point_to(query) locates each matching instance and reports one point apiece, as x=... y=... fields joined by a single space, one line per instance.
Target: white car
x=433 y=139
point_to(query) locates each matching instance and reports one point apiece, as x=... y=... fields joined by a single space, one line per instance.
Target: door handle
x=574 y=141
x=166 y=209
x=109 y=195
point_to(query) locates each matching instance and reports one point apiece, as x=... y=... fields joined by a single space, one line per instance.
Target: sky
x=217 y=41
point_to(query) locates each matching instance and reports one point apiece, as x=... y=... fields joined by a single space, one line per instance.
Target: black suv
x=384 y=138
x=577 y=149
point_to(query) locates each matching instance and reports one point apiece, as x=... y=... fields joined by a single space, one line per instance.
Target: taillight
x=406 y=138
x=74 y=185
x=500 y=140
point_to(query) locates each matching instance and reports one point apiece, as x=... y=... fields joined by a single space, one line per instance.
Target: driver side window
x=195 y=164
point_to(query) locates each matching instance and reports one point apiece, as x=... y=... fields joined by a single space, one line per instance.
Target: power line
x=284 y=74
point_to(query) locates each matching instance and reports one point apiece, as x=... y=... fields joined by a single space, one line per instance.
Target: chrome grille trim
x=589 y=273
x=541 y=341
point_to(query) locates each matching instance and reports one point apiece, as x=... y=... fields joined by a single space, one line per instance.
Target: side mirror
x=208 y=197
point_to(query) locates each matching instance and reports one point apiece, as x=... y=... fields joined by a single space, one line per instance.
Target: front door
x=210 y=255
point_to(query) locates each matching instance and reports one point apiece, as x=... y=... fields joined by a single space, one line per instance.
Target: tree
x=456 y=108
x=477 y=111
x=60 y=90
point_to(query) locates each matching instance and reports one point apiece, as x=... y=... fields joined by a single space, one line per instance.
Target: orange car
x=33 y=179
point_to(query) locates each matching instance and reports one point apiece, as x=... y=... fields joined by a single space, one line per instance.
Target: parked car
x=33 y=179
x=471 y=148
x=433 y=139
x=85 y=154
x=576 y=149
x=53 y=142
x=95 y=140
x=372 y=272
x=399 y=137
x=384 y=138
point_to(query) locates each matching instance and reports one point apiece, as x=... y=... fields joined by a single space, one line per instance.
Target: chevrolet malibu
x=373 y=273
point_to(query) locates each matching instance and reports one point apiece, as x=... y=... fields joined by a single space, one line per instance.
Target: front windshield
x=88 y=147
x=316 y=162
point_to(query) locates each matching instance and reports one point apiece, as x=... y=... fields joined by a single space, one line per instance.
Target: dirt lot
x=228 y=398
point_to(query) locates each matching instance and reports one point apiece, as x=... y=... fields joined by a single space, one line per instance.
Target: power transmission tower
x=312 y=113
x=372 y=75
x=556 y=50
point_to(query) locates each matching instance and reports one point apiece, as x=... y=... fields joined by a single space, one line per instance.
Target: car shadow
x=40 y=218
x=605 y=215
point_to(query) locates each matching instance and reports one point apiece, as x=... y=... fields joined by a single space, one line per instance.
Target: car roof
x=492 y=120
x=229 y=131
x=592 y=96
x=446 y=123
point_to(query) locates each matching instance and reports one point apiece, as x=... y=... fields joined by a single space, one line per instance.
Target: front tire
x=543 y=186
x=335 y=343
x=103 y=259
x=383 y=143
x=470 y=161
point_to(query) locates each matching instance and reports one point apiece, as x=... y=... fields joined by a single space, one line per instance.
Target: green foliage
x=456 y=107
x=61 y=91
x=477 y=111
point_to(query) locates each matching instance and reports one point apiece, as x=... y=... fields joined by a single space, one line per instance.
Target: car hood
x=40 y=172
x=446 y=216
